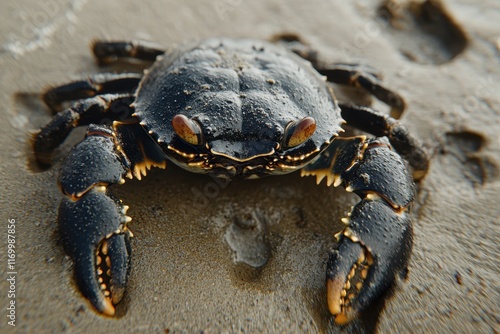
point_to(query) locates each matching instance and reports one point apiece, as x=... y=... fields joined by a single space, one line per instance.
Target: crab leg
x=371 y=121
x=92 y=223
x=108 y=51
x=356 y=76
x=100 y=109
x=376 y=242
x=97 y=84
x=347 y=74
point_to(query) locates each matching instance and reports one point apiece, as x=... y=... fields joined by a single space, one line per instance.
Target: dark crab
x=232 y=108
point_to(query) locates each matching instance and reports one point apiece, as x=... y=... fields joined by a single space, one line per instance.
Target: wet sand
x=185 y=276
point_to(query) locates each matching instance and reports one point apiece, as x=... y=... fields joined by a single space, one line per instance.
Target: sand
x=186 y=277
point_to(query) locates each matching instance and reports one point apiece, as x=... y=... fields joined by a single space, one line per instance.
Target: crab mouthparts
x=242 y=151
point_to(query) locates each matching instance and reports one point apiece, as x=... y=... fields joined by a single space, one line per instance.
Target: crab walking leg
x=376 y=243
x=354 y=75
x=371 y=121
x=92 y=223
x=108 y=51
x=97 y=84
x=99 y=109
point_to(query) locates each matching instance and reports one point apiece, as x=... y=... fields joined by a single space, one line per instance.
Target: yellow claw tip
x=333 y=288
x=341 y=319
x=108 y=308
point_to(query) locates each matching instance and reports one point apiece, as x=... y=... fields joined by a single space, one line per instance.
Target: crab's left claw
x=373 y=249
x=94 y=233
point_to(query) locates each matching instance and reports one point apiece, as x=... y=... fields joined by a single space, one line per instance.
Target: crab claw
x=372 y=250
x=94 y=233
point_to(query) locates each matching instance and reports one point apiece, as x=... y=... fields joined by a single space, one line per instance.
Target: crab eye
x=298 y=132
x=187 y=129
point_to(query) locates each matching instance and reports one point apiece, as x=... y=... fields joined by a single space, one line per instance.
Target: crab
x=232 y=108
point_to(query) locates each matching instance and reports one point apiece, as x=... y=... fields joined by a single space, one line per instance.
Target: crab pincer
x=372 y=250
x=93 y=224
x=93 y=231
x=376 y=243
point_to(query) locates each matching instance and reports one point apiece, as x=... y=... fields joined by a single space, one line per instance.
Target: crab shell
x=242 y=94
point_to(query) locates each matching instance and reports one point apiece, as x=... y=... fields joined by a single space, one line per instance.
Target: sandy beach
x=195 y=269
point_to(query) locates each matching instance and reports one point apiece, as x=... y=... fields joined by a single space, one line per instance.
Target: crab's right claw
x=94 y=233
x=372 y=250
